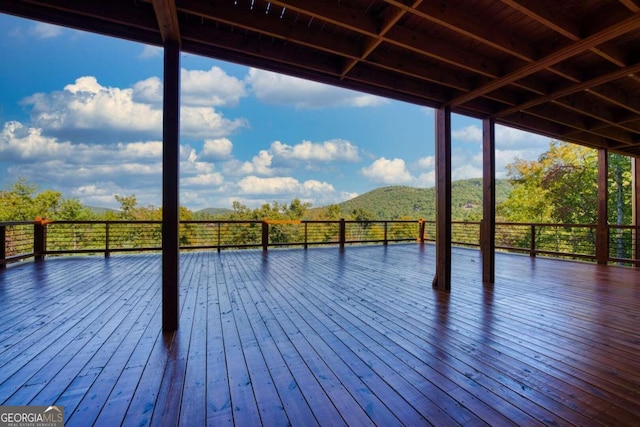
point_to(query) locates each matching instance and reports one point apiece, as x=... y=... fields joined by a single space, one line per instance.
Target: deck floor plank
x=323 y=337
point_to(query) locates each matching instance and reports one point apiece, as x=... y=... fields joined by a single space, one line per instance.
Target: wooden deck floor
x=320 y=337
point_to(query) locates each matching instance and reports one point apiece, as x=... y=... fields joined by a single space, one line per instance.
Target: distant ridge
x=97 y=210
x=213 y=211
x=396 y=202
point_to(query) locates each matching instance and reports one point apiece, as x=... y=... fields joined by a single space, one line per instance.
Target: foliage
x=22 y=202
x=561 y=187
x=398 y=202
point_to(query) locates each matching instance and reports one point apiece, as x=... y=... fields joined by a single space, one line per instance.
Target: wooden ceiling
x=566 y=69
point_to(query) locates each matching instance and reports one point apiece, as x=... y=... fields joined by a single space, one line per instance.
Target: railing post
x=343 y=233
x=265 y=236
x=306 y=235
x=532 y=250
x=219 y=227
x=385 y=233
x=107 y=233
x=421 y=227
x=39 y=239
x=3 y=247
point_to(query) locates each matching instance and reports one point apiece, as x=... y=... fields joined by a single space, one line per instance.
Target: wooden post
x=442 y=279
x=107 y=232
x=265 y=236
x=532 y=244
x=219 y=241
x=3 y=247
x=421 y=226
x=635 y=197
x=488 y=231
x=385 y=234
x=306 y=235
x=343 y=233
x=170 y=191
x=602 y=232
x=39 y=239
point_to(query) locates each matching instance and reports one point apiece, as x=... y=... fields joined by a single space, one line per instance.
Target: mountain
x=97 y=210
x=396 y=202
x=212 y=212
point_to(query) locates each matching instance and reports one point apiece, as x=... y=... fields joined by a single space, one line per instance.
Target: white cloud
x=260 y=164
x=140 y=150
x=279 y=89
x=205 y=122
x=213 y=88
x=210 y=179
x=149 y=51
x=427 y=162
x=92 y=111
x=43 y=30
x=470 y=133
x=465 y=172
x=387 y=171
x=427 y=179
x=283 y=186
x=21 y=143
x=216 y=149
x=505 y=137
x=327 y=151
x=148 y=91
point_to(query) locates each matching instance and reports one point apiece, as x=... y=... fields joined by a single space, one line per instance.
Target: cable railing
x=21 y=240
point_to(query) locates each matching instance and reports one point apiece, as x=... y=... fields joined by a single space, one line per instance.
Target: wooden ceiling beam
x=450 y=17
x=167 y=20
x=254 y=21
x=632 y=5
x=564 y=25
x=412 y=41
x=370 y=45
x=97 y=17
x=593 y=85
x=627 y=25
x=286 y=57
x=617 y=96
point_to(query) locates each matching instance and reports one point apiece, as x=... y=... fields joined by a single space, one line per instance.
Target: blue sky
x=81 y=114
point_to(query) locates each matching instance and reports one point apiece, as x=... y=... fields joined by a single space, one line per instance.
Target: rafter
x=167 y=20
x=565 y=26
x=372 y=44
x=603 y=36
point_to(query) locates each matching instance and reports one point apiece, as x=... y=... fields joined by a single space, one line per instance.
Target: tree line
x=558 y=187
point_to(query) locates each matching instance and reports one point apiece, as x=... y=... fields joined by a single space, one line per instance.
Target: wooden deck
x=321 y=337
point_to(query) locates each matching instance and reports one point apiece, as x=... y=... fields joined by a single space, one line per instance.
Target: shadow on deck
x=323 y=337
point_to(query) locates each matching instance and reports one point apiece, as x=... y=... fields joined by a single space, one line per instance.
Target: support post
x=488 y=232
x=3 y=247
x=421 y=226
x=442 y=279
x=107 y=237
x=170 y=191
x=39 y=239
x=635 y=200
x=265 y=236
x=343 y=233
x=602 y=231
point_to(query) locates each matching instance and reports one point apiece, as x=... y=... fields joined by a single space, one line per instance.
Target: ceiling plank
x=603 y=36
x=372 y=44
x=587 y=85
x=564 y=25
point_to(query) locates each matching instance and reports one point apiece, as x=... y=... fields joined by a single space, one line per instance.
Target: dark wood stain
x=323 y=337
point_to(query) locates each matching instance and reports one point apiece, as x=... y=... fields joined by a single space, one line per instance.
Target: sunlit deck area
x=323 y=337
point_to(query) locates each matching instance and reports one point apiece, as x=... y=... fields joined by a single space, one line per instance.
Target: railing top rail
x=547 y=224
